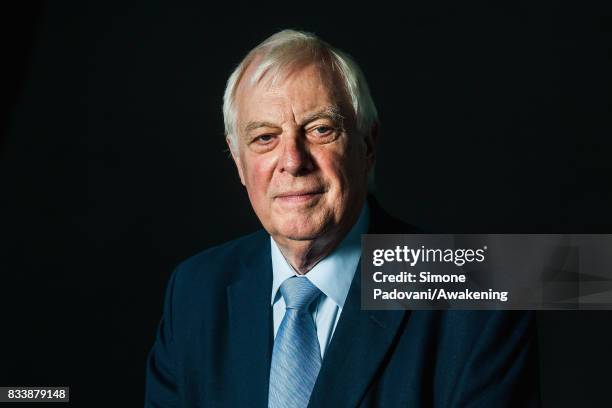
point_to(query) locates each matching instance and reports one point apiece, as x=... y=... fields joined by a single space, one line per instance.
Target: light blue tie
x=296 y=357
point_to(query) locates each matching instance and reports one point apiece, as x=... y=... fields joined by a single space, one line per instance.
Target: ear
x=371 y=141
x=236 y=157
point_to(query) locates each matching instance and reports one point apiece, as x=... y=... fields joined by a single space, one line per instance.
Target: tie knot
x=298 y=292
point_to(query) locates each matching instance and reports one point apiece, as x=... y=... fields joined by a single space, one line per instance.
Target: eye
x=263 y=143
x=263 y=139
x=323 y=130
x=323 y=134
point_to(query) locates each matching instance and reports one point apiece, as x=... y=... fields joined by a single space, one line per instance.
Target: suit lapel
x=250 y=328
x=362 y=338
x=358 y=347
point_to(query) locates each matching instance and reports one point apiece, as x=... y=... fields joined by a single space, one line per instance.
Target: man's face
x=299 y=156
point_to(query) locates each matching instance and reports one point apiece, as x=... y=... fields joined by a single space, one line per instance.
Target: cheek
x=344 y=166
x=357 y=162
x=335 y=170
x=258 y=173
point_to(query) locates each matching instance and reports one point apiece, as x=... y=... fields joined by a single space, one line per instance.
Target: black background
x=495 y=118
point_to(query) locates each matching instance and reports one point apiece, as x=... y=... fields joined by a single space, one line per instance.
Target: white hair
x=288 y=49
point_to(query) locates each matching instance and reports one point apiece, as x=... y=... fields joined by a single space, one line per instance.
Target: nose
x=295 y=158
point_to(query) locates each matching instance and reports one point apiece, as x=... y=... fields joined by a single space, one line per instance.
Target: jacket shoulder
x=219 y=264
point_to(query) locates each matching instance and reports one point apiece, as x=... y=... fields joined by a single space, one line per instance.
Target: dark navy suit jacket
x=214 y=343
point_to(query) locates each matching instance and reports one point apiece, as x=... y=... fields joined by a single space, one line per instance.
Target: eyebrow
x=329 y=112
x=255 y=125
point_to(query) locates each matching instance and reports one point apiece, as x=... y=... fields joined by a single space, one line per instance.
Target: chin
x=301 y=234
x=301 y=229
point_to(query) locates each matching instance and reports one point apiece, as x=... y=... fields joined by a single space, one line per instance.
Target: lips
x=298 y=196
x=299 y=193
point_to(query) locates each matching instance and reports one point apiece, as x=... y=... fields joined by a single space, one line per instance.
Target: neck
x=303 y=255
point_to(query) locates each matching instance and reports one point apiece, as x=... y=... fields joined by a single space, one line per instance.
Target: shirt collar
x=334 y=273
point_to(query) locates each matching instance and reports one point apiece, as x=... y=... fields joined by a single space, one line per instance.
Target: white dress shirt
x=332 y=275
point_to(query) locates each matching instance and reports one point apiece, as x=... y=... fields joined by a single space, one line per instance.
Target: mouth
x=300 y=196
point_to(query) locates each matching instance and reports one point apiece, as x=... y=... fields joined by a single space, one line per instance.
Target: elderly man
x=274 y=318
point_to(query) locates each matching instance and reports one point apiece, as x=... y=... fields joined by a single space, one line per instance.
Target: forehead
x=295 y=92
